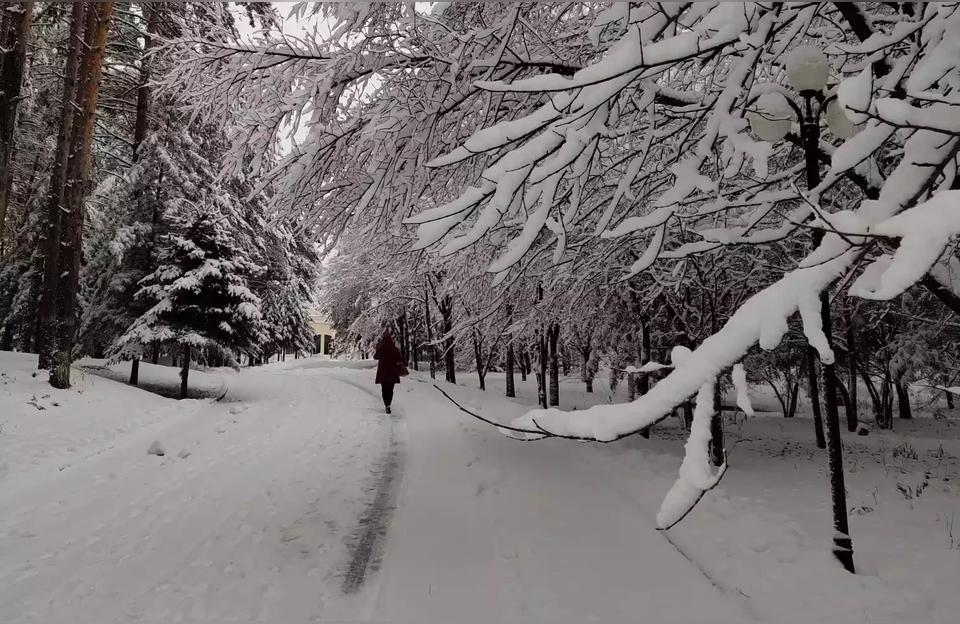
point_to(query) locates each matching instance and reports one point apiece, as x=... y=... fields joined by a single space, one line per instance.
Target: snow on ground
x=164 y=380
x=767 y=528
x=296 y=500
x=248 y=517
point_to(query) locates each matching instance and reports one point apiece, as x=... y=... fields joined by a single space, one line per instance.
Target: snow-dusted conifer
x=200 y=304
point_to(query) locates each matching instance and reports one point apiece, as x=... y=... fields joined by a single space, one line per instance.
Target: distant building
x=323 y=333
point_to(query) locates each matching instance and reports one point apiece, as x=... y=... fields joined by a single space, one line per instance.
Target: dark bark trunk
x=77 y=181
x=446 y=311
x=717 y=450
x=432 y=347
x=585 y=373
x=511 y=383
x=903 y=400
x=871 y=389
x=794 y=395
x=844 y=398
x=14 y=41
x=815 y=397
x=565 y=362
x=524 y=365
x=142 y=123
x=404 y=339
x=643 y=381
x=47 y=309
x=553 y=335
x=184 y=372
x=478 y=355
x=850 y=405
x=687 y=415
x=134 y=371
x=542 y=369
x=643 y=384
x=885 y=416
x=6 y=339
x=949 y=400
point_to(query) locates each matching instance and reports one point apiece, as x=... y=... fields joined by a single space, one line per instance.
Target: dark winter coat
x=390 y=361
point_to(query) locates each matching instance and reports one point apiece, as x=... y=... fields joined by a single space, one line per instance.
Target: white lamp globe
x=838 y=122
x=807 y=68
x=771 y=118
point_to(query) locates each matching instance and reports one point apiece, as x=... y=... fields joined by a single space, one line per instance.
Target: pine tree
x=200 y=304
x=174 y=169
x=286 y=320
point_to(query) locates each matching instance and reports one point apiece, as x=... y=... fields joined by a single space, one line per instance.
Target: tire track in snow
x=367 y=543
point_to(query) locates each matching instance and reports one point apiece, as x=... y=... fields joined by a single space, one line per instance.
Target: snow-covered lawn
x=276 y=504
x=767 y=528
x=249 y=515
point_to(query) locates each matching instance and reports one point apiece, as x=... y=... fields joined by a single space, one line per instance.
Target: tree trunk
x=433 y=349
x=871 y=390
x=553 y=334
x=142 y=122
x=815 y=397
x=511 y=384
x=50 y=246
x=643 y=383
x=565 y=361
x=794 y=395
x=14 y=41
x=585 y=373
x=717 y=450
x=478 y=355
x=415 y=351
x=77 y=181
x=903 y=400
x=446 y=311
x=885 y=415
x=184 y=372
x=134 y=371
x=850 y=406
x=844 y=398
x=6 y=338
x=949 y=400
x=404 y=339
x=542 y=370
x=524 y=364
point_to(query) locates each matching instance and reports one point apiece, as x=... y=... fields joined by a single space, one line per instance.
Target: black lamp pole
x=842 y=543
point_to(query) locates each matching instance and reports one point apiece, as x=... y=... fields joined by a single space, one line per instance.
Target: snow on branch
x=924 y=232
x=696 y=477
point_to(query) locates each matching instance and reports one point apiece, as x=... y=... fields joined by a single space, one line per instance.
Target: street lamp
x=807 y=71
x=772 y=118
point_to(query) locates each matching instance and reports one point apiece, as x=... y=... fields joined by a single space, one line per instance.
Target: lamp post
x=807 y=71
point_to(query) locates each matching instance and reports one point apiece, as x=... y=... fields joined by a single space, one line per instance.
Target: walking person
x=390 y=367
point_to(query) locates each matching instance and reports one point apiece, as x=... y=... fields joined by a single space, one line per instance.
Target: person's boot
x=388 y=409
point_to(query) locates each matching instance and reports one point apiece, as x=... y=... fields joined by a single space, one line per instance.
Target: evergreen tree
x=200 y=304
x=287 y=323
x=128 y=213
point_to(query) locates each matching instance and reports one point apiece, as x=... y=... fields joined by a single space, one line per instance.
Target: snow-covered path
x=275 y=508
x=298 y=500
x=247 y=518
x=494 y=530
